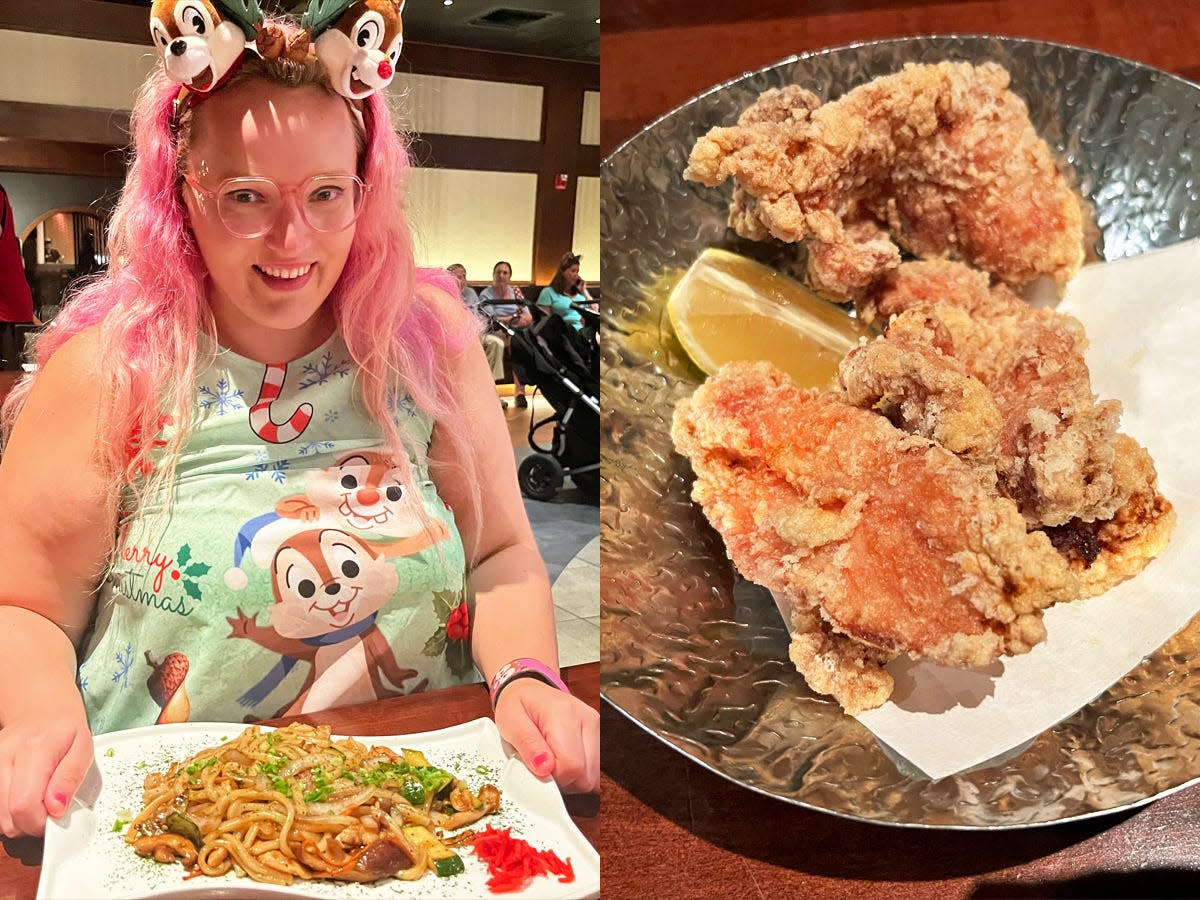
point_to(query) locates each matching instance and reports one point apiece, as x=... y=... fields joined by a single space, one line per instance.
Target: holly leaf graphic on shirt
x=196 y=569
x=185 y=553
x=444 y=603
x=191 y=589
x=436 y=643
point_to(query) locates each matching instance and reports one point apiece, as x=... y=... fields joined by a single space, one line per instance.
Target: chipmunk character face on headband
x=200 y=41
x=358 y=43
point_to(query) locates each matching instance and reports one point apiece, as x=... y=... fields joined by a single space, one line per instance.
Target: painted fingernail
x=61 y=799
x=540 y=759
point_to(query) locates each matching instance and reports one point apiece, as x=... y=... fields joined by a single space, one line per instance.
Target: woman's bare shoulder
x=70 y=380
x=81 y=357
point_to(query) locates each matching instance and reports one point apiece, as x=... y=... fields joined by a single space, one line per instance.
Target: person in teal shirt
x=565 y=291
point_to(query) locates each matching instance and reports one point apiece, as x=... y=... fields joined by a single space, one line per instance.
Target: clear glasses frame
x=249 y=206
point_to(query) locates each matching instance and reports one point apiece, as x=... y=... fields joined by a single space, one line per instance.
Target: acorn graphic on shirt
x=167 y=689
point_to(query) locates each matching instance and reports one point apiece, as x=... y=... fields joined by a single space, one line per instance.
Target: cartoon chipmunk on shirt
x=363 y=489
x=328 y=586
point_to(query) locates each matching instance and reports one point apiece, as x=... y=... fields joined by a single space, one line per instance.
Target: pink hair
x=151 y=306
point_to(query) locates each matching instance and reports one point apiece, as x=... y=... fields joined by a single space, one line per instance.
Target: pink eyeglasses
x=249 y=207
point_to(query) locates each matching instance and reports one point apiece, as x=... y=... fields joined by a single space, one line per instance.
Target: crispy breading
x=1056 y=445
x=892 y=539
x=1107 y=552
x=850 y=671
x=937 y=159
x=907 y=376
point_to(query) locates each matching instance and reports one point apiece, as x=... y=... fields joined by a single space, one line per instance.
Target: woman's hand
x=554 y=733
x=43 y=760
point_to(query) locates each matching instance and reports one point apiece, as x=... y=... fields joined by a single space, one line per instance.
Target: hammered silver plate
x=696 y=655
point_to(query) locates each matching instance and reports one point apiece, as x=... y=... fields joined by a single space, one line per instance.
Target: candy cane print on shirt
x=261 y=419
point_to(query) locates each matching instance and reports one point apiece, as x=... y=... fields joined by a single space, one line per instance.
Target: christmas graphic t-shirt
x=294 y=571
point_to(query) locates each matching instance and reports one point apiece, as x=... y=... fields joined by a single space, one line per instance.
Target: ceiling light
x=447 y=2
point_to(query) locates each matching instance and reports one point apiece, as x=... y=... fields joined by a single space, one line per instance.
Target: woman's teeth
x=294 y=272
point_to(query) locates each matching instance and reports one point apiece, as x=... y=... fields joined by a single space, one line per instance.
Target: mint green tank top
x=294 y=571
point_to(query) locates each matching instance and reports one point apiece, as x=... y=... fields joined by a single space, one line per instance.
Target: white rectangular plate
x=85 y=857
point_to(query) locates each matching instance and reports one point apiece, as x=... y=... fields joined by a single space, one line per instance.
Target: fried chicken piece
x=1056 y=445
x=1105 y=553
x=850 y=671
x=908 y=376
x=938 y=159
x=893 y=540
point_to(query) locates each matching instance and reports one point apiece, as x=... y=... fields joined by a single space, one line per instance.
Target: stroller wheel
x=540 y=477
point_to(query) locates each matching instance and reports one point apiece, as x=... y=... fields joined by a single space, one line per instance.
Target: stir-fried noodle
x=294 y=803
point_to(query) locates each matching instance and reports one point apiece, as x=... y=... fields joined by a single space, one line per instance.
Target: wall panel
x=473 y=218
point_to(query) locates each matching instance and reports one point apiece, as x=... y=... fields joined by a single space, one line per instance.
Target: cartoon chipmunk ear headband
x=202 y=42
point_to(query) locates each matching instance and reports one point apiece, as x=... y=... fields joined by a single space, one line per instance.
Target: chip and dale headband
x=202 y=42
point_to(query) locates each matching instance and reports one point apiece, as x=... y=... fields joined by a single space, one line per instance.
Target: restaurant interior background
x=502 y=97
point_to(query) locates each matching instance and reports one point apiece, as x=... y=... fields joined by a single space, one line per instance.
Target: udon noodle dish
x=296 y=804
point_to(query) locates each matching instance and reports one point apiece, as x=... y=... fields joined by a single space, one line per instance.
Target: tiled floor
x=568 y=532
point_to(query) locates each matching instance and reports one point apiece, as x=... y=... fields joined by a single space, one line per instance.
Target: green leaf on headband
x=243 y=13
x=321 y=14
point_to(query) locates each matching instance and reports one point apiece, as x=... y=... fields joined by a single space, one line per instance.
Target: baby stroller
x=565 y=366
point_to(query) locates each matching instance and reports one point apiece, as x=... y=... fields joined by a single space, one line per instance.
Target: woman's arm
x=513 y=606
x=55 y=537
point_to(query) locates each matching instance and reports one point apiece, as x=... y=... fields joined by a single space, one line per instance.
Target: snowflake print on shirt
x=323 y=371
x=224 y=398
x=277 y=470
x=405 y=404
x=124 y=660
x=315 y=447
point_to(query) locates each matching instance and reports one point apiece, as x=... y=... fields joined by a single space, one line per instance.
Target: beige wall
x=65 y=71
x=473 y=218
x=589 y=133
x=586 y=240
x=468 y=107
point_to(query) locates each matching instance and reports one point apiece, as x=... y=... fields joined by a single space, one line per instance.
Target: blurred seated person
x=493 y=346
x=16 y=299
x=52 y=255
x=504 y=303
x=566 y=290
x=86 y=263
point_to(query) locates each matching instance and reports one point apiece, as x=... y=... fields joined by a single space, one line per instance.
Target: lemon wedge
x=727 y=307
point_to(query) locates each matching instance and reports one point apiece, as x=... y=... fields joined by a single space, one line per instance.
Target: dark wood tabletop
x=20 y=859
x=707 y=836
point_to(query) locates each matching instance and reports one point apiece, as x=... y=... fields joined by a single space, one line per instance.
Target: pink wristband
x=522 y=668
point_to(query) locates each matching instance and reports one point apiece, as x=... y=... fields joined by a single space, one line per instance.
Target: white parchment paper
x=1142 y=317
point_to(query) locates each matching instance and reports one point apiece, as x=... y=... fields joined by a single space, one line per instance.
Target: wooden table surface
x=706 y=836
x=20 y=859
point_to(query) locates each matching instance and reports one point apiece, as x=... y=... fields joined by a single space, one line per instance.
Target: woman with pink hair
x=260 y=469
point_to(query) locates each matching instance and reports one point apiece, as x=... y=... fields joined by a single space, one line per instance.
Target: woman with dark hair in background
x=565 y=291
